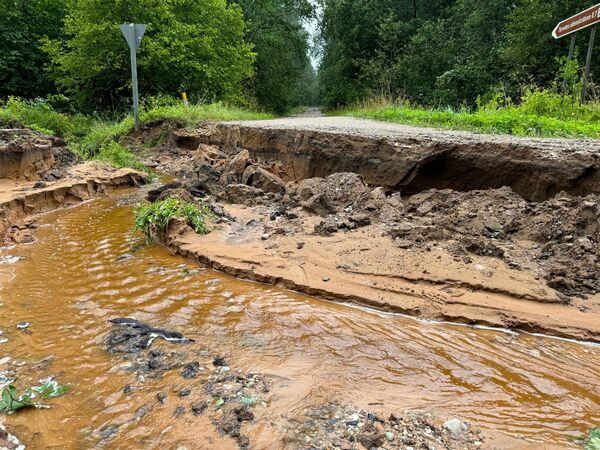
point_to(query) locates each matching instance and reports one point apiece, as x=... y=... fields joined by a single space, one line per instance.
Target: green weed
x=10 y=401
x=593 y=440
x=155 y=217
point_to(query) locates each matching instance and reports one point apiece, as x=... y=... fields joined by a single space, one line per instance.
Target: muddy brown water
x=537 y=388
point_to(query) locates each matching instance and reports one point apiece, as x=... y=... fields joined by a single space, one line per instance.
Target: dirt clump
x=30 y=156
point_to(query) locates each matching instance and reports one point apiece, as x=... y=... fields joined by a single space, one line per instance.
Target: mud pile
x=39 y=173
x=557 y=239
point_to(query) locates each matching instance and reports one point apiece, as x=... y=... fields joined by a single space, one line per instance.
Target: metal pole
x=588 y=62
x=134 y=79
x=571 y=51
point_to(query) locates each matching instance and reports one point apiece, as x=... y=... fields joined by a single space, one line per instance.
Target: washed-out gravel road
x=312 y=120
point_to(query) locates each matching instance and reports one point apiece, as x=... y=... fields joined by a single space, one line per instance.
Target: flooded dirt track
x=83 y=271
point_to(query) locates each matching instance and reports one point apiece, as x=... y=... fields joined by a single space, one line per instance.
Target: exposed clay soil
x=498 y=232
x=38 y=174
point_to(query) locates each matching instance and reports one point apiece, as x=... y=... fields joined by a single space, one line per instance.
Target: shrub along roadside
x=540 y=114
x=94 y=137
x=154 y=217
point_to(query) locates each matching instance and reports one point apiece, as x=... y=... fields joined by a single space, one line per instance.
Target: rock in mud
x=234 y=170
x=133 y=336
x=333 y=425
x=9 y=441
x=263 y=179
x=244 y=195
x=456 y=427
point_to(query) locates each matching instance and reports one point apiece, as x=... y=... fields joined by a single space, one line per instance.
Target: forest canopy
x=441 y=52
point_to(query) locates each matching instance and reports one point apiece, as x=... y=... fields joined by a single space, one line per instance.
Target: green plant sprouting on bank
x=11 y=401
x=155 y=217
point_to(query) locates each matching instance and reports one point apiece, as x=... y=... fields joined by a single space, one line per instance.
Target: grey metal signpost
x=588 y=18
x=133 y=33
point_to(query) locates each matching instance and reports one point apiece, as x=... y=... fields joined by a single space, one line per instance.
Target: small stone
x=161 y=397
x=389 y=436
x=456 y=427
x=264 y=237
x=326 y=279
x=219 y=361
x=199 y=408
x=23 y=325
x=300 y=245
x=185 y=392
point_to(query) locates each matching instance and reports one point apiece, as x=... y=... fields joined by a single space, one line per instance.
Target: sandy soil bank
x=38 y=174
x=468 y=231
x=365 y=268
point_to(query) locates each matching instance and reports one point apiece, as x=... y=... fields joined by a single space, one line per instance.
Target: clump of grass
x=155 y=217
x=118 y=156
x=11 y=401
x=39 y=115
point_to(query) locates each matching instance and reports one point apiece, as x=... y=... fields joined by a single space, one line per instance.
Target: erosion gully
x=72 y=281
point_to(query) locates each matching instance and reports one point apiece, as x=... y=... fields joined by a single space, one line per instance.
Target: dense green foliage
x=11 y=401
x=251 y=52
x=441 y=52
x=24 y=24
x=283 y=71
x=200 y=45
x=593 y=440
x=155 y=217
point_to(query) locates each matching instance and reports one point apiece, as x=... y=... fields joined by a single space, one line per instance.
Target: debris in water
x=133 y=336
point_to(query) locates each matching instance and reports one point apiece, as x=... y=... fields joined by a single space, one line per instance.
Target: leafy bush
x=155 y=217
x=10 y=401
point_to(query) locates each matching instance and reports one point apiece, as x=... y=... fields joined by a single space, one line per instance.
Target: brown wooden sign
x=578 y=22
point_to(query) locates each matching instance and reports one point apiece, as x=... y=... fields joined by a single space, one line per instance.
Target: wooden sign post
x=588 y=18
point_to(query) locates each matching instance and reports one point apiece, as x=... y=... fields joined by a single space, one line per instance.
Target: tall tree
x=531 y=51
x=200 y=45
x=24 y=24
x=281 y=46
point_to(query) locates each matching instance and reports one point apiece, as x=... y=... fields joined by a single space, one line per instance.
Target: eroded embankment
x=480 y=256
x=39 y=174
x=413 y=164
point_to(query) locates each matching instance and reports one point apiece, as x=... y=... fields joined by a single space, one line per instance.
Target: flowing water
x=72 y=281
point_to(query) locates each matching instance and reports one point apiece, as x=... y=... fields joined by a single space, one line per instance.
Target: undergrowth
x=540 y=113
x=94 y=137
x=154 y=217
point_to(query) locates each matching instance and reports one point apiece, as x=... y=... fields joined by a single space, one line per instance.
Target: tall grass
x=93 y=137
x=539 y=113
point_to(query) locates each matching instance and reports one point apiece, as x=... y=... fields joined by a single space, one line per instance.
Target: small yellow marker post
x=185 y=99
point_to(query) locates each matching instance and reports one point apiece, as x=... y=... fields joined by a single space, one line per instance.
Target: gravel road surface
x=311 y=121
